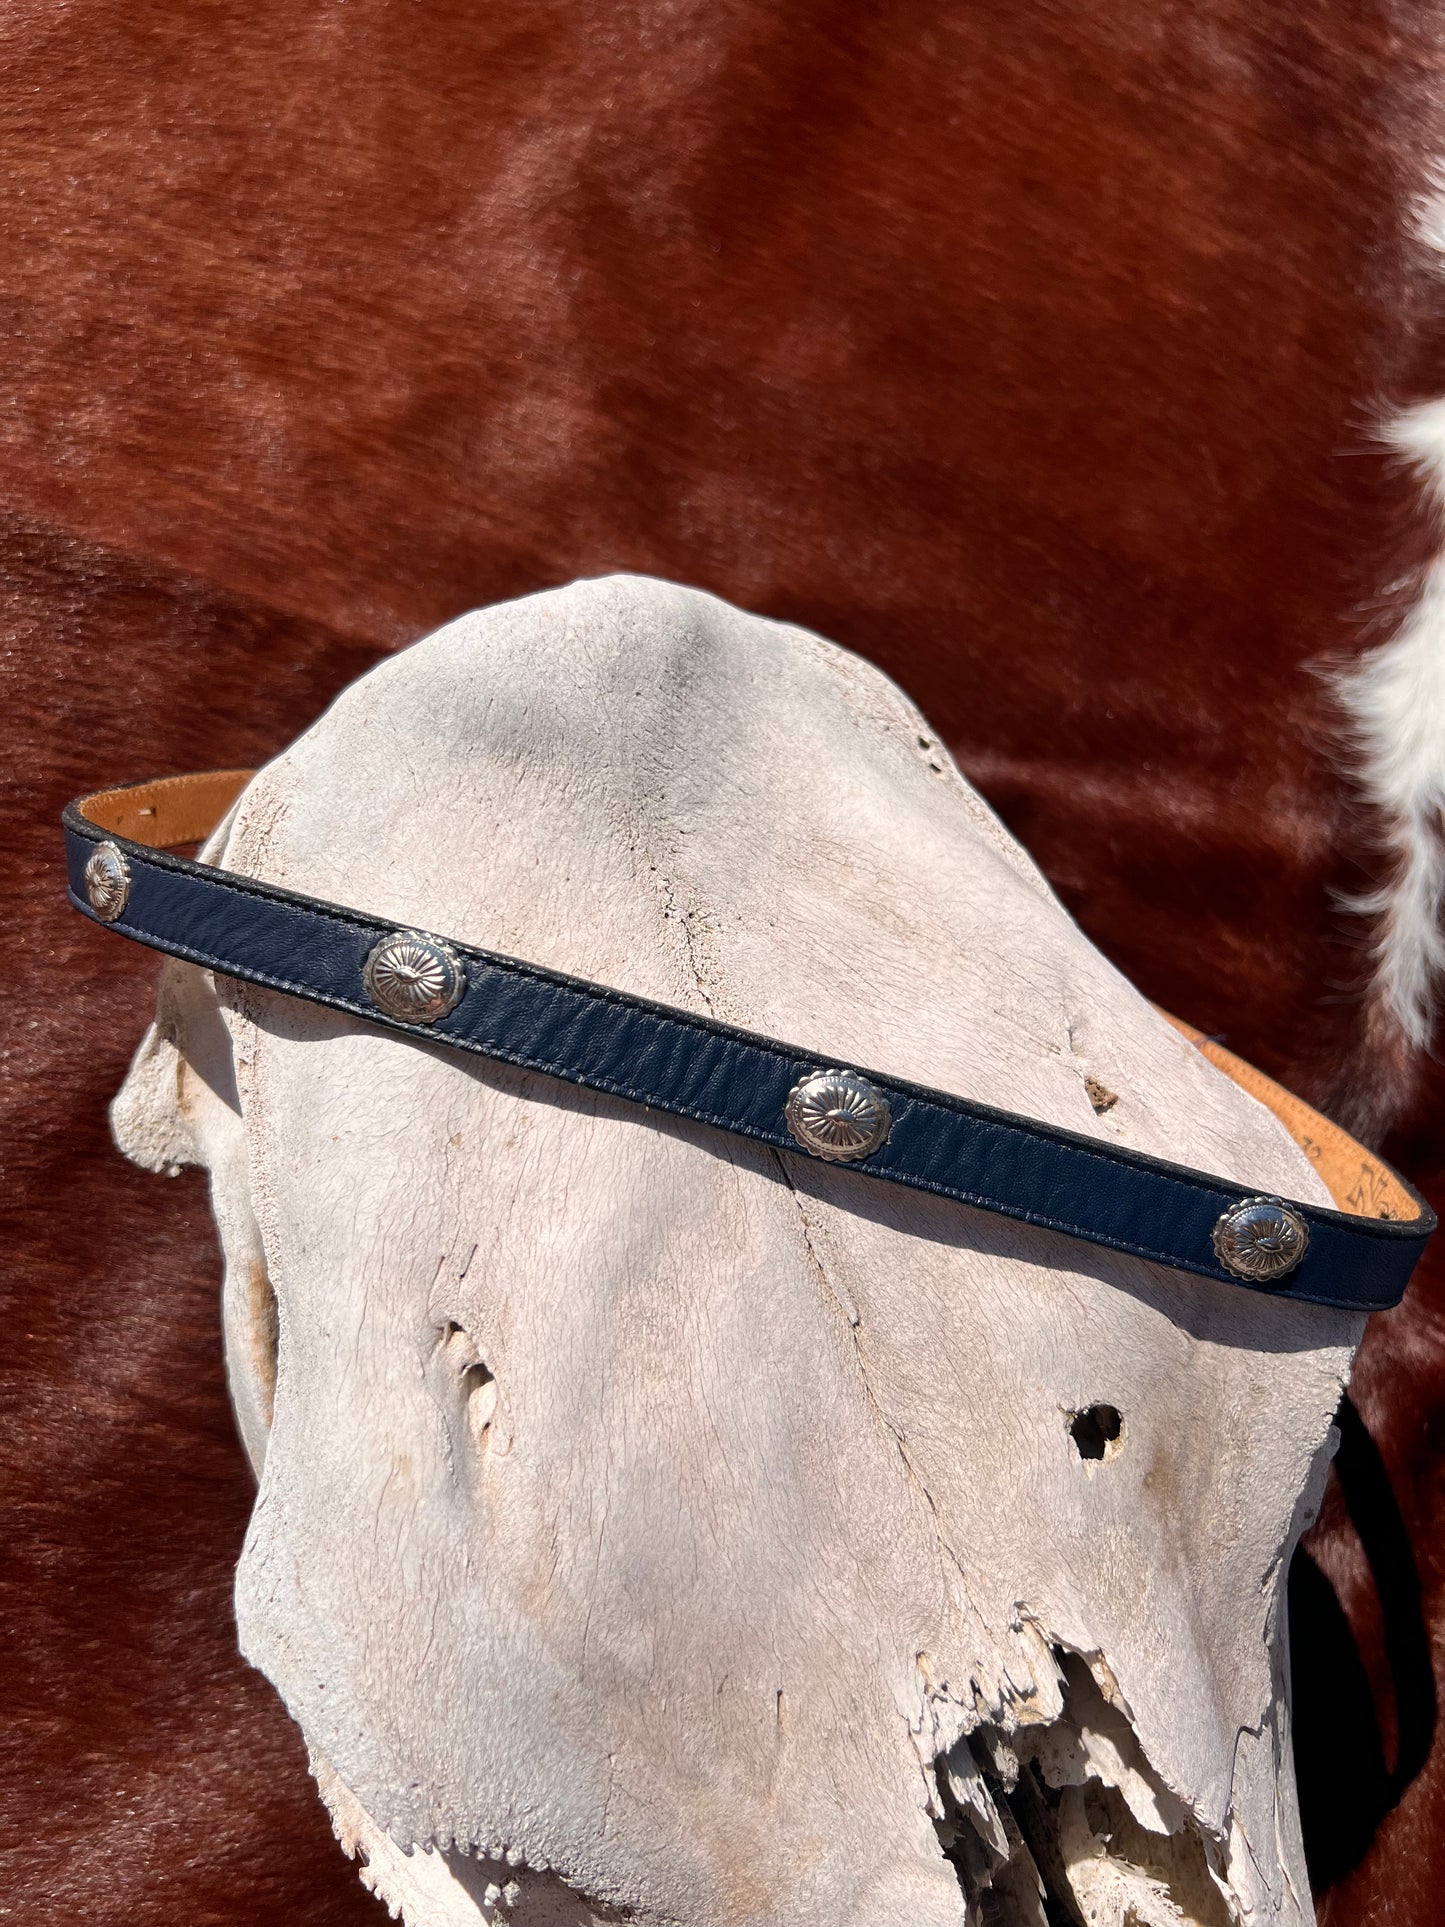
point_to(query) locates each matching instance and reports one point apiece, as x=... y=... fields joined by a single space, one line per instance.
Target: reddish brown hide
x=1033 y=351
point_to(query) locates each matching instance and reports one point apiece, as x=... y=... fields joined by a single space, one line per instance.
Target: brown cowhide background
x=1033 y=350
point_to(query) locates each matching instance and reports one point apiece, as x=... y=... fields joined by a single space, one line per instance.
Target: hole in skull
x=476 y=1380
x=1095 y=1430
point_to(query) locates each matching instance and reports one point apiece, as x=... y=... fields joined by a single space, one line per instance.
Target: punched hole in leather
x=168 y=812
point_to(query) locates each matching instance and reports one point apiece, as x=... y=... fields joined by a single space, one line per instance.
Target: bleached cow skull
x=655 y=1527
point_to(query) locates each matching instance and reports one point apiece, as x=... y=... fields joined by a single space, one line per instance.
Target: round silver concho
x=107 y=881
x=1260 y=1238
x=838 y=1115
x=413 y=977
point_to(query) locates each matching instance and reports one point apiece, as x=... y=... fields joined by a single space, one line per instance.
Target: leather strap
x=1359 y=1256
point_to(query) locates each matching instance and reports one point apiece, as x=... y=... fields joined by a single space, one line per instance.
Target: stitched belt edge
x=950 y=1146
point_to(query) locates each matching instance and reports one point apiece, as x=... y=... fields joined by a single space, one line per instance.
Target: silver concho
x=413 y=977
x=1260 y=1238
x=838 y=1115
x=107 y=881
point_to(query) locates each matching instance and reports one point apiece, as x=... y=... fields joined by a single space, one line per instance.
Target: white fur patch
x=1395 y=700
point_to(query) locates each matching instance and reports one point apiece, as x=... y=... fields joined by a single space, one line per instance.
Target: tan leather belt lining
x=171 y=811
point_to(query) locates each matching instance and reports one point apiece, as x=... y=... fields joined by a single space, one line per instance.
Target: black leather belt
x=413 y=982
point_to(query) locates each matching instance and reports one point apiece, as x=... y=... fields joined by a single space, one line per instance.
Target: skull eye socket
x=1094 y=1430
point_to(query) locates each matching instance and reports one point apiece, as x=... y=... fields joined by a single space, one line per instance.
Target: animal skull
x=651 y=1526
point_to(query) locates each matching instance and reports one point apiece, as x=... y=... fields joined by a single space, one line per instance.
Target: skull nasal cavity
x=1095 y=1430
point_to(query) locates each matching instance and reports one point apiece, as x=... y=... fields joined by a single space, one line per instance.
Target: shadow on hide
x=1346 y=1786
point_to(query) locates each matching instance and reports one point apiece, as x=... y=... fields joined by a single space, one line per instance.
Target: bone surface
x=652 y=1525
